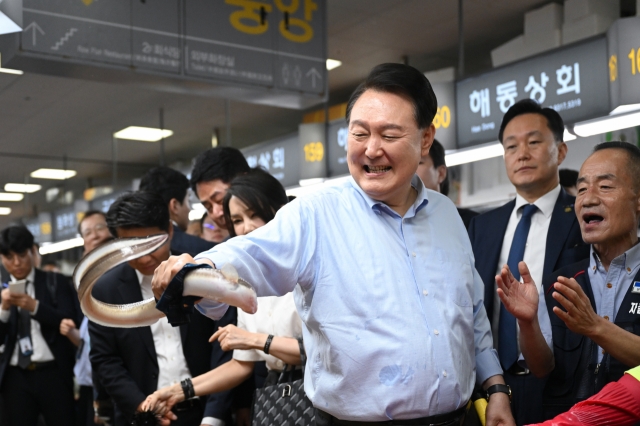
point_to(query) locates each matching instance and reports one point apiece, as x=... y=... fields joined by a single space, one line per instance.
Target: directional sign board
x=273 y=44
x=572 y=80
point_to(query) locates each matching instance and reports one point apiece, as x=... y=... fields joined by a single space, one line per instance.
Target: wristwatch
x=499 y=388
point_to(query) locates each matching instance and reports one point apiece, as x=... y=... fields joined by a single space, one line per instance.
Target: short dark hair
x=633 y=157
x=529 y=106
x=568 y=177
x=16 y=239
x=167 y=182
x=402 y=80
x=260 y=191
x=139 y=209
x=436 y=152
x=221 y=163
x=87 y=215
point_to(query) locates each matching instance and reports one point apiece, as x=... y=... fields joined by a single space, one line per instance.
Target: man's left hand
x=23 y=301
x=578 y=315
x=499 y=411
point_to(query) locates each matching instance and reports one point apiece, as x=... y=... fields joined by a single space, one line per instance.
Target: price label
x=313 y=152
x=442 y=117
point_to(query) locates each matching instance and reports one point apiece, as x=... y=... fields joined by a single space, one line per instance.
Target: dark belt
x=517 y=370
x=453 y=418
x=189 y=404
x=36 y=366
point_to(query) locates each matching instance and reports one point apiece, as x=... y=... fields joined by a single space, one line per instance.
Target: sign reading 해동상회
x=573 y=81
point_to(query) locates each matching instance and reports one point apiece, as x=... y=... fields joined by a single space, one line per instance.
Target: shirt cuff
x=35 y=311
x=212 y=421
x=212 y=309
x=4 y=315
x=487 y=365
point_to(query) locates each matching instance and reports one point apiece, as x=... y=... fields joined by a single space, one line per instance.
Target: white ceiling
x=54 y=117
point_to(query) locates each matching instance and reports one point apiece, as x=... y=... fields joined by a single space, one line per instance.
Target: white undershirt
x=41 y=351
x=172 y=365
x=534 y=250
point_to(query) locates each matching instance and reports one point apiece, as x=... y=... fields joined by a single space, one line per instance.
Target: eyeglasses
x=99 y=227
x=209 y=226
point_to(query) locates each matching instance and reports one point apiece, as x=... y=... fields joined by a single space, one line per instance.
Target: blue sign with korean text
x=572 y=80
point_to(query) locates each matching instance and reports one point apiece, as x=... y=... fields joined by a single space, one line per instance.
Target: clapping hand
x=520 y=299
x=578 y=315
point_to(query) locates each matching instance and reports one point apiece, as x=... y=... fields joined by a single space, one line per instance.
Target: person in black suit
x=532 y=138
x=173 y=187
x=433 y=172
x=133 y=362
x=36 y=366
x=593 y=305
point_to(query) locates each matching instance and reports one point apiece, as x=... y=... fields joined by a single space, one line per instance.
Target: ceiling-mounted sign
x=571 y=80
x=46 y=228
x=337 y=147
x=313 y=163
x=624 y=61
x=280 y=157
x=238 y=46
x=445 y=118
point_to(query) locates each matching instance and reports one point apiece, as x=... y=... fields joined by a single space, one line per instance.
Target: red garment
x=617 y=404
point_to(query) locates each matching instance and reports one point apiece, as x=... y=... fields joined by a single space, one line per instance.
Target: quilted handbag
x=284 y=403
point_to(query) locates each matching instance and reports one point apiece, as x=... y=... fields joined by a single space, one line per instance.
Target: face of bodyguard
x=385 y=145
x=608 y=201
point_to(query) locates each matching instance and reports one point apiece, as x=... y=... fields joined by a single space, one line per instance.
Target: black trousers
x=526 y=400
x=27 y=394
x=84 y=407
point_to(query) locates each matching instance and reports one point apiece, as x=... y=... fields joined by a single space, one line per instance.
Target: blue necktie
x=507 y=330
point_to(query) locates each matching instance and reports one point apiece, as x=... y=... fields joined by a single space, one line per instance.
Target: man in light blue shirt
x=382 y=272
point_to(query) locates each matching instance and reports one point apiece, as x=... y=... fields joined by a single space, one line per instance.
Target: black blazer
x=181 y=242
x=125 y=358
x=55 y=304
x=564 y=242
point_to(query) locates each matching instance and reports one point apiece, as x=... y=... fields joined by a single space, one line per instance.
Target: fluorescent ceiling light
x=22 y=187
x=625 y=108
x=607 y=124
x=145 y=134
x=57 y=174
x=197 y=210
x=62 y=245
x=10 y=71
x=5 y=211
x=11 y=196
x=333 y=63
x=469 y=155
x=568 y=136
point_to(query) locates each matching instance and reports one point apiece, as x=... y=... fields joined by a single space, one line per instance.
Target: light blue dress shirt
x=393 y=318
x=82 y=369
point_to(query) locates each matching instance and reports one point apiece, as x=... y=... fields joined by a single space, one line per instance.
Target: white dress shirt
x=172 y=365
x=41 y=351
x=277 y=316
x=534 y=252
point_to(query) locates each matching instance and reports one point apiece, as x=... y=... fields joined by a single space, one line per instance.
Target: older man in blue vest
x=592 y=304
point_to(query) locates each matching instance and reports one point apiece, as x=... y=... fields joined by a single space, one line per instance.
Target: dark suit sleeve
x=108 y=364
x=219 y=404
x=50 y=316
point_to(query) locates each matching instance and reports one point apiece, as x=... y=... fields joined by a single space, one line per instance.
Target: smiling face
x=531 y=155
x=607 y=204
x=146 y=265
x=211 y=194
x=243 y=218
x=385 y=146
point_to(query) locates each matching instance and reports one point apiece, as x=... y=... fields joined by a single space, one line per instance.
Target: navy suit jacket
x=50 y=313
x=125 y=358
x=181 y=243
x=564 y=242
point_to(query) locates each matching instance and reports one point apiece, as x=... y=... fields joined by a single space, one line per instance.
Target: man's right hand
x=6 y=299
x=166 y=271
x=520 y=299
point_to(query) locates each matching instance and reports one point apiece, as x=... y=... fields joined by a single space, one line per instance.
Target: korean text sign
x=573 y=81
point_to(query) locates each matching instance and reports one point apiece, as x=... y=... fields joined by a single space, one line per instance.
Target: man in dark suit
x=36 y=366
x=547 y=239
x=173 y=187
x=434 y=174
x=134 y=362
x=594 y=304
